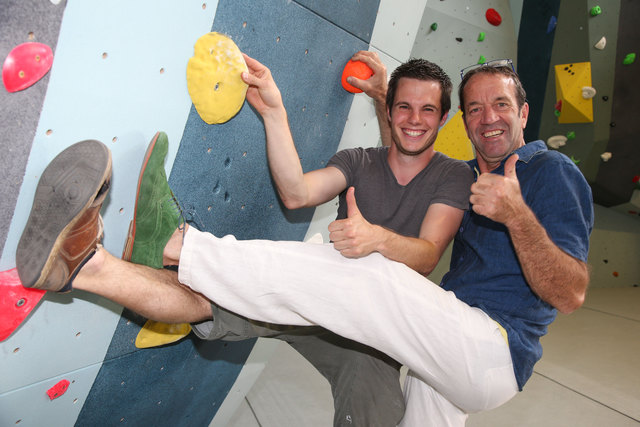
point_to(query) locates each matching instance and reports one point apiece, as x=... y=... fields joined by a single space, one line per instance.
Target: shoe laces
x=188 y=214
x=193 y=217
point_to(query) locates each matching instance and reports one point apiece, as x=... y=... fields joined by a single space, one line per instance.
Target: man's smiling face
x=415 y=115
x=492 y=118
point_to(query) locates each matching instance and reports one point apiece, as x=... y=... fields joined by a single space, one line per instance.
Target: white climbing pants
x=458 y=359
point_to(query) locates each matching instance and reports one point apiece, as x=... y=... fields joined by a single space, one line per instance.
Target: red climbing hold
x=16 y=302
x=558 y=106
x=493 y=17
x=25 y=65
x=58 y=389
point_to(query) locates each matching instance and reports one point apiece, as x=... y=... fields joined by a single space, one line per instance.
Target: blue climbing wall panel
x=221 y=172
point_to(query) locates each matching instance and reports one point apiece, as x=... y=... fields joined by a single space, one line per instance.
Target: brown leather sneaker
x=64 y=226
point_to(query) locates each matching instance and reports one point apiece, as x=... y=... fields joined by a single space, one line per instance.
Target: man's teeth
x=493 y=133
x=413 y=132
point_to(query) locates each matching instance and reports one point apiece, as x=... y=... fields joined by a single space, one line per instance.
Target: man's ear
x=444 y=118
x=464 y=122
x=524 y=114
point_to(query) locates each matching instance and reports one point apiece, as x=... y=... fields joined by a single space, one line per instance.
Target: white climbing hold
x=588 y=92
x=601 y=43
x=556 y=141
x=605 y=156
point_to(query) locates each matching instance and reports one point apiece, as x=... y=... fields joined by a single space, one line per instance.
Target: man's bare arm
x=376 y=88
x=295 y=188
x=355 y=237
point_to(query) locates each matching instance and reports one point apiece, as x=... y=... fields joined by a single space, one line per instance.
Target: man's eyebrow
x=497 y=98
x=434 y=106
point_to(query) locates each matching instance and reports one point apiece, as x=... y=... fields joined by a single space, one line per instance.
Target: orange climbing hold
x=25 y=65
x=493 y=17
x=16 y=302
x=356 y=69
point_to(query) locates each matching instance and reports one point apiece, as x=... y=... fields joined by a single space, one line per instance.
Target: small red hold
x=559 y=105
x=636 y=179
x=58 y=389
x=615 y=274
x=493 y=17
x=25 y=65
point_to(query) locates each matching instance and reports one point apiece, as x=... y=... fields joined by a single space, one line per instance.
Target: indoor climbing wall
x=595 y=47
x=119 y=76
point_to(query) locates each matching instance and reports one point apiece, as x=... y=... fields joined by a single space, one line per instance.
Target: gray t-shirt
x=401 y=208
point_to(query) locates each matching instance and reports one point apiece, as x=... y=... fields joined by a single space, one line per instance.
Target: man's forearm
x=552 y=274
x=283 y=159
x=418 y=254
x=383 y=122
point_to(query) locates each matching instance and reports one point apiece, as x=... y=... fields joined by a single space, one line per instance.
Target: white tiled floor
x=589 y=376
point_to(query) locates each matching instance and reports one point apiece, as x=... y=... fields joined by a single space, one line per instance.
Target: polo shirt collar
x=525 y=153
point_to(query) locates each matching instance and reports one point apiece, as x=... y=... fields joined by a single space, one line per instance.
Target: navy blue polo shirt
x=485 y=271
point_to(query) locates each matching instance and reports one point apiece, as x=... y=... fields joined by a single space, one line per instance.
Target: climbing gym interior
x=117 y=72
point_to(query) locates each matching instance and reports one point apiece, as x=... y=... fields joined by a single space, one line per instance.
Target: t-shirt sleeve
x=454 y=184
x=346 y=161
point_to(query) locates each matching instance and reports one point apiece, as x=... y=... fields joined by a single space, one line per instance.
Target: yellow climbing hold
x=570 y=79
x=213 y=78
x=154 y=334
x=453 y=140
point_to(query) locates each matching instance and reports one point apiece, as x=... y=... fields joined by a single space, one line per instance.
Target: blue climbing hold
x=553 y=21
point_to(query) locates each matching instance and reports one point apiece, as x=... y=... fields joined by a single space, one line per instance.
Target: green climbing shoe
x=157 y=213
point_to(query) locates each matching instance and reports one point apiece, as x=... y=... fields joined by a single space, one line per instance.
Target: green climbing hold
x=482 y=60
x=557 y=113
x=481 y=36
x=629 y=59
x=434 y=26
x=595 y=11
x=571 y=135
x=574 y=160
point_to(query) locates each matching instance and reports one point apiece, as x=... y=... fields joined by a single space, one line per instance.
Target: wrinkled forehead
x=489 y=85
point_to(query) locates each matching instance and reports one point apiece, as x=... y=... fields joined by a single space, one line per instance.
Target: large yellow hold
x=453 y=140
x=213 y=78
x=570 y=79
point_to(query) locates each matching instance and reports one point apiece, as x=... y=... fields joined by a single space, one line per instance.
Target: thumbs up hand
x=353 y=236
x=498 y=197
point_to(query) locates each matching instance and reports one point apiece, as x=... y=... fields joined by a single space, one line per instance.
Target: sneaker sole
x=127 y=252
x=75 y=180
